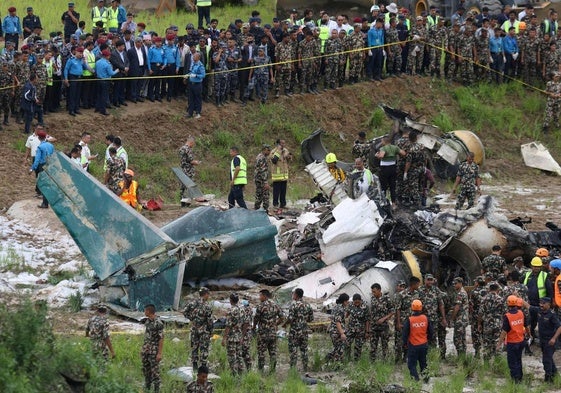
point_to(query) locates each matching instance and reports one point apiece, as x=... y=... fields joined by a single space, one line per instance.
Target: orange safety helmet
x=522 y=26
x=511 y=301
x=542 y=252
x=416 y=305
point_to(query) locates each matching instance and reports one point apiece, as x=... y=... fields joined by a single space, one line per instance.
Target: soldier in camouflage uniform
x=316 y=75
x=261 y=175
x=483 y=55
x=550 y=62
x=233 y=58
x=398 y=347
x=356 y=58
x=433 y=303
x=417 y=36
x=187 y=161
x=333 y=47
x=296 y=74
x=460 y=316
x=393 y=61
x=201 y=384
x=199 y=313
x=553 y=105
x=381 y=310
x=336 y=329
x=490 y=320
x=404 y=144
x=361 y=148
x=151 y=353
x=262 y=74
x=98 y=332
x=494 y=263
x=220 y=76
x=115 y=170
x=451 y=58
x=358 y=326
x=344 y=56
x=468 y=177
x=403 y=311
x=22 y=71
x=233 y=334
x=267 y=317
x=411 y=192
x=40 y=70
x=475 y=297
x=284 y=56
x=299 y=315
x=306 y=51
x=467 y=54
x=247 y=335
x=530 y=57
x=437 y=38
x=7 y=79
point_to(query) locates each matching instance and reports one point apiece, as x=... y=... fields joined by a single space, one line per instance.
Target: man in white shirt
x=86 y=153
x=31 y=148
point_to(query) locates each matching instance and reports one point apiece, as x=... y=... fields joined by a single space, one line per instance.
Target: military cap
x=158 y=39
x=267 y=26
x=458 y=280
x=12 y=9
x=429 y=277
x=80 y=49
x=29 y=9
x=70 y=4
x=276 y=20
x=189 y=26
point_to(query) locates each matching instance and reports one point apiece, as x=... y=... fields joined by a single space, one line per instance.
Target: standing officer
x=514 y=328
x=381 y=310
x=199 y=313
x=417 y=331
x=98 y=332
x=70 y=19
x=261 y=175
x=157 y=63
x=460 y=316
x=197 y=75
x=151 y=353
x=280 y=157
x=433 y=301
x=232 y=338
x=72 y=72
x=358 y=326
x=44 y=150
x=299 y=315
x=238 y=178
x=30 y=22
x=468 y=177
x=538 y=286
x=187 y=161
x=494 y=263
x=11 y=26
x=267 y=316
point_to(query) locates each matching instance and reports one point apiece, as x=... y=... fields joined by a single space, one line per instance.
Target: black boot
x=217 y=101
x=6 y=122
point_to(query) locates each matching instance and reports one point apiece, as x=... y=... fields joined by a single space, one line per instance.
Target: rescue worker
x=538 y=286
x=128 y=190
x=417 y=331
x=337 y=173
x=364 y=180
x=280 y=157
x=468 y=177
x=238 y=178
x=513 y=330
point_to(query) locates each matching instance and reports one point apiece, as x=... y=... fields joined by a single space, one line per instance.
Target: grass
x=11 y=260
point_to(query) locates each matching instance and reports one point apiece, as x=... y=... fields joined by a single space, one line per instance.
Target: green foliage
x=57 y=277
x=444 y=122
x=75 y=301
x=19 y=145
x=377 y=118
x=12 y=261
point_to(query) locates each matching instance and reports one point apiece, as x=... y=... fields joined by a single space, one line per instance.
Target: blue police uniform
x=157 y=63
x=73 y=72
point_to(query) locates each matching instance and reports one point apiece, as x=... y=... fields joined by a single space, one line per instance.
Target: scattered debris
x=536 y=155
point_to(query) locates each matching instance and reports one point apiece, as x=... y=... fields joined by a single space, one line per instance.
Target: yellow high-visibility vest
x=112 y=18
x=241 y=178
x=97 y=15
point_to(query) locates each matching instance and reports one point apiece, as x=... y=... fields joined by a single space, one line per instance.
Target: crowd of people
x=504 y=308
x=122 y=61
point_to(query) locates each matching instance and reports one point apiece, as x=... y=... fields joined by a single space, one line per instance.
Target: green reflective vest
x=112 y=18
x=98 y=15
x=324 y=34
x=542 y=277
x=204 y=3
x=49 y=65
x=241 y=178
x=432 y=20
x=90 y=59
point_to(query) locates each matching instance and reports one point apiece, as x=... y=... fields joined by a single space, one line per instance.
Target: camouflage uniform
x=266 y=318
x=530 y=67
x=483 y=56
x=261 y=75
x=283 y=55
x=356 y=58
x=150 y=366
x=433 y=299
x=553 y=105
x=361 y=150
x=40 y=70
x=551 y=60
x=306 y=50
x=416 y=50
x=356 y=328
x=295 y=75
x=337 y=315
x=317 y=63
x=491 y=315
x=475 y=297
x=403 y=305
x=116 y=169
x=199 y=313
x=468 y=174
x=6 y=80
x=404 y=144
x=247 y=336
x=220 y=77
x=379 y=333
x=438 y=37
x=234 y=322
x=410 y=194
x=451 y=59
x=98 y=331
x=22 y=71
x=343 y=58
x=186 y=156
x=461 y=322
x=232 y=75
x=299 y=315
x=261 y=175
x=194 y=387
x=495 y=264
x=333 y=46
x=465 y=49
x=393 y=62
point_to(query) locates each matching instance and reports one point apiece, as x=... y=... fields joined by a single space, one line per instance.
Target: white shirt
x=32 y=143
x=140 y=56
x=121 y=152
x=86 y=153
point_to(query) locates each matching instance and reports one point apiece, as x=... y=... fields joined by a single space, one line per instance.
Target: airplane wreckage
x=345 y=243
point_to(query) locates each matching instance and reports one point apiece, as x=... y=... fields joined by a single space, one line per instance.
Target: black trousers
x=195 y=98
x=279 y=192
x=236 y=195
x=73 y=98
x=388 y=177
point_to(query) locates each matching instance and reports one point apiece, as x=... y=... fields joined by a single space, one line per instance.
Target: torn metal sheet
x=317 y=285
x=313 y=150
x=464 y=255
x=357 y=222
x=191 y=187
x=333 y=190
x=537 y=156
x=166 y=316
x=246 y=237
